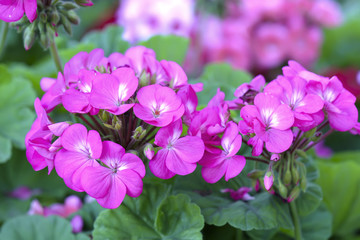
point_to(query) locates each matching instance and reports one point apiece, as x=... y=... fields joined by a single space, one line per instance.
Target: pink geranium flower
x=270 y=121
x=339 y=103
x=111 y=92
x=240 y=194
x=177 y=155
x=13 y=10
x=123 y=175
x=80 y=150
x=216 y=164
x=158 y=106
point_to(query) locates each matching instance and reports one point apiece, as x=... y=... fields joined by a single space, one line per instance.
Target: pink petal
x=310 y=104
x=231 y=140
x=115 y=194
x=94 y=141
x=105 y=92
x=12 y=11
x=30 y=7
x=189 y=149
x=278 y=140
x=176 y=165
x=282 y=118
x=111 y=150
x=132 y=181
x=214 y=174
x=94 y=58
x=74 y=138
x=128 y=82
x=121 y=109
x=158 y=165
x=97 y=181
x=75 y=101
x=134 y=163
x=234 y=166
x=58 y=128
x=168 y=134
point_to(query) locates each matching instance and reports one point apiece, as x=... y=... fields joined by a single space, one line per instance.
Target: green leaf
x=12 y=207
x=169 y=47
x=5 y=149
x=309 y=200
x=317 y=225
x=340 y=182
x=89 y=212
x=109 y=39
x=154 y=215
x=223 y=76
x=37 y=228
x=15 y=116
x=264 y=212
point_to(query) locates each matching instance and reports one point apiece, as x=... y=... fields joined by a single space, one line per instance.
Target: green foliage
x=38 y=228
x=154 y=215
x=223 y=76
x=109 y=39
x=12 y=207
x=16 y=96
x=170 y=47
x=340 y=181
x=89 y=212
x=309 y=200
x=317 y=225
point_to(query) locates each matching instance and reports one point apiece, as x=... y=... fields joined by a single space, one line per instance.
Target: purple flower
x=80 y=150
x=240 y=194
x=13 y=10
x=218 y=163
x=111 y=92
x=158 y=106
x=177 y=155
x=123 y=175
x=270 y=121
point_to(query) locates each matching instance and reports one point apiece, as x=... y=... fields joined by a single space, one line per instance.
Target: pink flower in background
x=326 y=13
x=143 y=19
x=240 y=194
x=224 y=162
x=123 y=175
x=80 y=150
x=111 y=92
x=270 y=121
x=177 y=155
x=158 y=106
x=13 y=10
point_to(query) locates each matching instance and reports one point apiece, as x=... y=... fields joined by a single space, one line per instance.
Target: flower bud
x=310 y=133
x=149 y=151
x=282 y=190
x=287 y=177
x=275 y=157
x=255 y=174
x=303 y=183
x=268 y=180
x=66 y=23
x=108 y=126
x=139 y=133
x=316 y=136
x=29 y=36
x=73 y=17
x=69 y=5
x=133 y=152
x=104 y=116
x=54 y=17
x=84 y=3
x=295 y=174
x=43 y=17
x=294 y=194
x=301 y=153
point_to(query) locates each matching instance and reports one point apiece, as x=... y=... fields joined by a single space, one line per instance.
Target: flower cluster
x=129 y=109
x=287 y=117
x=254 y=33
x=71 y=205
x=142 y=19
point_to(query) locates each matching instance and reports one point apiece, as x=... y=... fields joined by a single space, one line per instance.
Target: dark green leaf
x=153 y=215
x=109 y=39
x=37 y=228
x=89 y=212
x=309 y=200
x=340 y=182
x=223 y=76
x=12 y=207
x=317 y=225
x=169 y=47
x=5 y=149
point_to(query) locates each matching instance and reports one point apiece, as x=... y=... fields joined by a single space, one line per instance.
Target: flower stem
x=55 y=56
x=321 y=138
x=256 y=159
x=3 y=34
x=296 y=220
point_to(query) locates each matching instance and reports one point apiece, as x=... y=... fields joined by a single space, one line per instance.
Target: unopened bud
x=108 y=126
x=69 y=5
x=118 y=126
x=310 y=133
x=295 y=192
x=50 y=32
x=303 y=183
x=66 y=23
x=287 y=177
x=73 y=17
x=275 y=157
x=84 y=3
x=268 y=180
x=149 y=151
x=43 y=17
x=104 y=116
x=316 y=136
x=255 y=174
x=301 y=153
x=139 y=133
x=144 y=79
x=295 y=174
x=29 y=36
x=55 y=17
x=282 y=190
